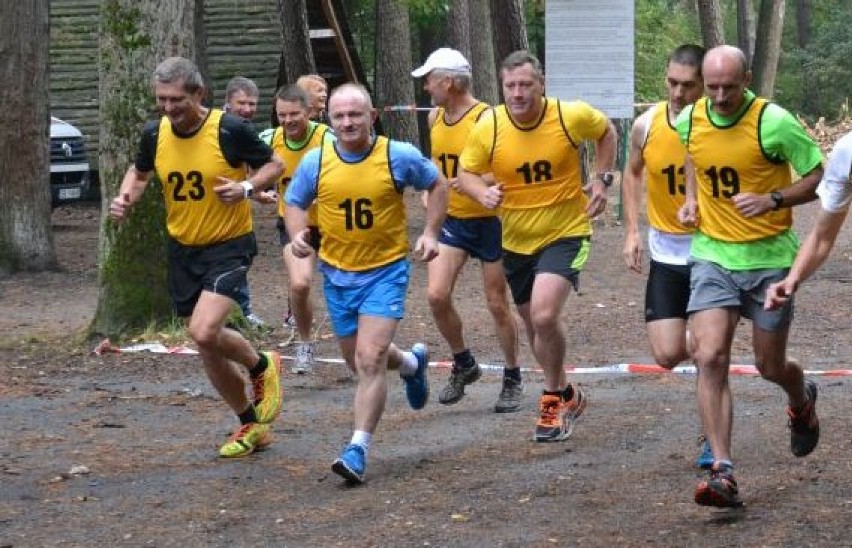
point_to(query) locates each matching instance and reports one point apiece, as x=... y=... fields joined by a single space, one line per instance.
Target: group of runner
x=504 y=185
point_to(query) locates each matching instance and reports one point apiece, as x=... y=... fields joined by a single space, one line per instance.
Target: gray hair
x=461 y=80
x=241 y=83
x=179 y=69
x=520 y=58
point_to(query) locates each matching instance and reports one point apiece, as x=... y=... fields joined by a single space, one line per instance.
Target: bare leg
x=497 y=297
x=713 y=332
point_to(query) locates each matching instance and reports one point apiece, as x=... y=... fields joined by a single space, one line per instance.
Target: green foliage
x=122 y=25
x=661 y=26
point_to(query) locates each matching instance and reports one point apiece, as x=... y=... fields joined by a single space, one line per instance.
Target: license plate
x=69 y=193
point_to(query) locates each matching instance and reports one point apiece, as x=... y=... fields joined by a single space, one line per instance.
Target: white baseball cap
x=443 y=59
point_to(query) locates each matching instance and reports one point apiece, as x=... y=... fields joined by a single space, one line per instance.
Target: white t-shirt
x=835 y=191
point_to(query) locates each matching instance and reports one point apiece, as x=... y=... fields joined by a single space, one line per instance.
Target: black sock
x=568 y=393
x=259 y=367
x=248 y=415
x=514 y=374
x=464 y=359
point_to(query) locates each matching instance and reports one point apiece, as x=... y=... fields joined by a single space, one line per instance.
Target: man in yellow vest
x=657 y=154
x=530 y=146
x=291 y=140
x=741 y=148
x=470 y=230
x=357 y=183
x=201 y=156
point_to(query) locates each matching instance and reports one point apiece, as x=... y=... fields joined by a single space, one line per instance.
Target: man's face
x=522 y=91
x=293 y=117
x=684 y=86
x=242 y=104
x=725 y=84
x=183 y=109
x=437 y=86
x=351 y=119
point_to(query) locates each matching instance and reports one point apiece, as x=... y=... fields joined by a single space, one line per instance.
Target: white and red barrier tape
x=106 y=347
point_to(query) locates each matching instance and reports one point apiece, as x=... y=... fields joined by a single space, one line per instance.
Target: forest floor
x=121 y=449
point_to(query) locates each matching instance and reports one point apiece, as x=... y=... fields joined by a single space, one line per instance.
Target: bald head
x=351 y=114
x=726 y=77
x=352 y=90
x=728 y=58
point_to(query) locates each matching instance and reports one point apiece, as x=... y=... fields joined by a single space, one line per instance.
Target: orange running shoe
x=557 y=416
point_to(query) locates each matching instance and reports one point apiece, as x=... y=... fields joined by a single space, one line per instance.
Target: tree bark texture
x=394 y=86
x=803 y=33
x=135 y=36
x=510 y=29
x=26 y=238
x=458 y=23
x=297 y=57
x=482 y=52
x=767 y=47
x=745 y=27
x=710 y=19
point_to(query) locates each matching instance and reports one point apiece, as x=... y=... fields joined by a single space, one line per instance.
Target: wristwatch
x=248 y=189
x=778 y=198
x=606 y=178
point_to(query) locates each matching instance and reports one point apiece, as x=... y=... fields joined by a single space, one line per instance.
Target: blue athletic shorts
x=480 y=237
x=383 y=295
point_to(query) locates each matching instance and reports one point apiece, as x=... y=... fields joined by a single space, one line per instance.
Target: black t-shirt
x=237 y=139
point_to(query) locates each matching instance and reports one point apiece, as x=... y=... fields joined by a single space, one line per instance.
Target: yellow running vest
x=292 y=157
x=361 y=212
x=663 y=154
x=729 y=160
x=188 y=168
x=448 y=141
x=539 y=168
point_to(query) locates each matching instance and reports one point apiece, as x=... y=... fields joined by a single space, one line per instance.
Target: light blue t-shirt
x=408 y=167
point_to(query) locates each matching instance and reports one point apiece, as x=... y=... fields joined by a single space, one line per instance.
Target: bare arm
x=426 y=247
x=631 y=187
x=131 y=189
x=811 y=256
x=801 y=192
x=477 y=187
x=605 y=149
x=688 y=213
x=296 y=221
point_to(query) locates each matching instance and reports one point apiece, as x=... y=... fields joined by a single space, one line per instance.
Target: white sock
x=362 y=438
x=408 y=366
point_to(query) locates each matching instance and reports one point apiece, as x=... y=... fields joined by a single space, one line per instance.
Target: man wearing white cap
x=469 y=230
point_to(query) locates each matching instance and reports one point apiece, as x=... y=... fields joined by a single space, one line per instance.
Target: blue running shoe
x=705 y=458
x=417 y=385
x=351 y=464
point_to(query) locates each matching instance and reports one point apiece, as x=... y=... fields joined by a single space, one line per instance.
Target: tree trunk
x=135 y=36
x=767 y=47
x=394 y=86
x=26 y=239
x=482 y=53
x=510 y=29
x=459 y=23
x=710 y=18
x=297 y=57
x=745 y=27
x=803 y=33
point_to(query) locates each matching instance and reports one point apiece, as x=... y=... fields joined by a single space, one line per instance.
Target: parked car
x=69 y=168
